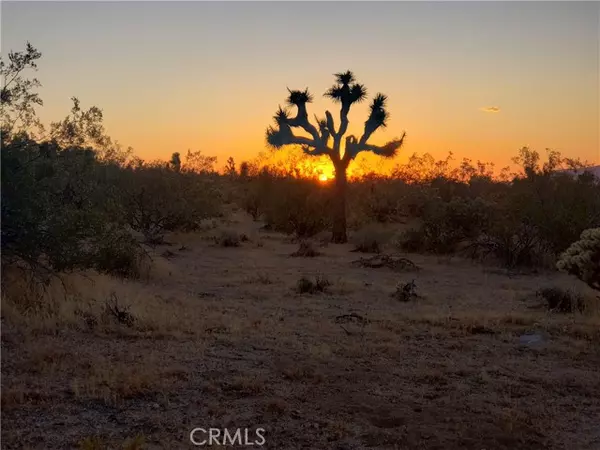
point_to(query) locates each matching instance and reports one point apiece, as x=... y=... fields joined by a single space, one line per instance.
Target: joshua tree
x=346 y=92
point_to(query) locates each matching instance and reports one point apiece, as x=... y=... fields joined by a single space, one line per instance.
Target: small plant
x=121 y=314
x=229 y=238
x=261 y=278
x=405 y=292
x=395 y=263
x=368 y=240
x=306 y=250
x=560 y=300
x=447 y=224
x=307 y=286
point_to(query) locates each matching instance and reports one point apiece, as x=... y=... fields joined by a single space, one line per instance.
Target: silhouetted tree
x=18 y=98
x=199 y=163
x=346 y=92
x=176 y=161
x=230 y=166
x=244 y=169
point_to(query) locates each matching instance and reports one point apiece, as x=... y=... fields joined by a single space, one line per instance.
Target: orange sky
x=209 y=75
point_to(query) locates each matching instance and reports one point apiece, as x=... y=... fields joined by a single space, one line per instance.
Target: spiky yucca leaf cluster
x=346 y=91
x=379 y=114
x=377 y=118
x=282 y=116
x=278 y=137
x=582 y=258
x=298 y=98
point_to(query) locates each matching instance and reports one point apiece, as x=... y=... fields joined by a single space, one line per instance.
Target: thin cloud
x=490 y=109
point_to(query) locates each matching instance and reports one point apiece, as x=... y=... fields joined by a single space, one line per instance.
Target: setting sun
x=323 y=177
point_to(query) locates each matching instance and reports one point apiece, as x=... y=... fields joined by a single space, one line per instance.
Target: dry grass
x=220 y=338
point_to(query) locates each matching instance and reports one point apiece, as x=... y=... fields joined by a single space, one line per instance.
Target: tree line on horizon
x=72 y=198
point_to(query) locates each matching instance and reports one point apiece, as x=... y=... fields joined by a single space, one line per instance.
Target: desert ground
x=219 y=337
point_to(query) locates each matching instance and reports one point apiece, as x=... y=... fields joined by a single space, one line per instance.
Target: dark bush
x=406 y=292
x=447 y=224
x=229 y=238
x=306 y=250
x=370 y=239
x=307 y=286
x=560 y=300
x=118 y=253
x=298 y=207
x=158 y=199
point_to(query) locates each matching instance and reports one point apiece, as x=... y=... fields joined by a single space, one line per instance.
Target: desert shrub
x=559 y=205
x=405 y=292
x=447 y=224
x=512 y=245
x=582 y=258
x=375 y=199
x=70 y=197
x=254 y=191
x=306 y=250
x=56 y=205
x=118 y=253
x=561 y=300
x=118 y=312
x=370 y=239
x=306 y=285
x=229 y=238
x=297 y=206
x=539 y=216
x=158 y=199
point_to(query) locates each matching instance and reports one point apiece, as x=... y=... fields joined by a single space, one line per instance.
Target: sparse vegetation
x=306 y=285
x=229 y=238
x=395 y=263
x=369 y=240
x=306 y=250
x=406 y=292
x=561 y=300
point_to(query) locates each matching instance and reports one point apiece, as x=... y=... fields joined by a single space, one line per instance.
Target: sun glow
x=323 y=177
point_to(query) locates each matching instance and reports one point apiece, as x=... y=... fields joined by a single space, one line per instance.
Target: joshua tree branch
x=304 y=123
x=343 y=120
x=284 y=136
x=316 y=151
x=330 y=124
x=354 y=147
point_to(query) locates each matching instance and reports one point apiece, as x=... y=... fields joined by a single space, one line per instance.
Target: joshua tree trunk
x=339 y=208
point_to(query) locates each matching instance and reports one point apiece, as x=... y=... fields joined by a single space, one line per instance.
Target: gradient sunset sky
x=480 y=79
